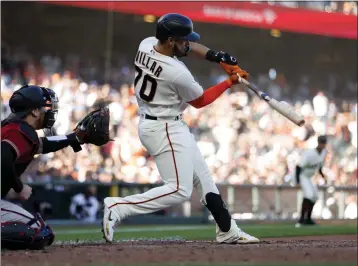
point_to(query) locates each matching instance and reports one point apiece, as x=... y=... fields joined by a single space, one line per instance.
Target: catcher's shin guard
x=17 y=235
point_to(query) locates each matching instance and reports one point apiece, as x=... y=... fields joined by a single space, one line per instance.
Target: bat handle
x=259 y=93
x=242 y=80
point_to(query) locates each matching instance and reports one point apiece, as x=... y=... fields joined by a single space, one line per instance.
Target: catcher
x=35 y=108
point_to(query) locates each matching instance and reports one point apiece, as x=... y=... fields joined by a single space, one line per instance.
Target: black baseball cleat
x=309 y=222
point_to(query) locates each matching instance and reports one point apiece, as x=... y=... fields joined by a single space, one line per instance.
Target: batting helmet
x=177 y=26
x=322 y=140
x=30 y=97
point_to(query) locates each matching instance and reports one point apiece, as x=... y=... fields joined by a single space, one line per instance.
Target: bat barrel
x=281 y=107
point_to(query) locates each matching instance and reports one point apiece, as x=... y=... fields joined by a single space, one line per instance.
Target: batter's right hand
x=234 y=70
x=25 y=192
x=233 y=79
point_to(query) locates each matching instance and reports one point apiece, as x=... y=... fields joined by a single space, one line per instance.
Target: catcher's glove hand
x=94 y=127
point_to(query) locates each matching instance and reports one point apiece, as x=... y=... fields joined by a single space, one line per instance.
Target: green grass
x=199 y=232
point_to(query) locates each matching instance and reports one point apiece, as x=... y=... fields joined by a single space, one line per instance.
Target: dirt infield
x=298 y=249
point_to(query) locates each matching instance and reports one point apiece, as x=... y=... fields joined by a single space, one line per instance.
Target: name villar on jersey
x=148 y=62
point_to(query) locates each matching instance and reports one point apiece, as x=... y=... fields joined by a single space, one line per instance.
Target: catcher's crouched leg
x=17 y=235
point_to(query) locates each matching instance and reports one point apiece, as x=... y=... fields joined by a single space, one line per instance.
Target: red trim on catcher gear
x=5 y=223
x=210 y=95
x=17 y=213
x=37 y=232
x=176 y=173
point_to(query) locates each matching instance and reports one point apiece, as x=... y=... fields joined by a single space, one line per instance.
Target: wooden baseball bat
x=282 y=107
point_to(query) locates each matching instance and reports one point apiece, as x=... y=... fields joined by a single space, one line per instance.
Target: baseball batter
x=164 y=88
x=312 y=160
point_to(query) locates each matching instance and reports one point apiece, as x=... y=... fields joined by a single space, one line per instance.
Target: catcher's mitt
x=94 y=127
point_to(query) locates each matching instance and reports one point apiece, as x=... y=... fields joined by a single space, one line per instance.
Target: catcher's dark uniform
x=19 y=144
x=19 y=228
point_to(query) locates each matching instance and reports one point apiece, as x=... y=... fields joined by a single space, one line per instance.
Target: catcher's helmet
x=177 y=26
x=30 y=97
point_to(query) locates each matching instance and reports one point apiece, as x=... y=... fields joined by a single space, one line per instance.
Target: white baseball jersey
x=311 y=161
x=163 y=87
x=163 y=84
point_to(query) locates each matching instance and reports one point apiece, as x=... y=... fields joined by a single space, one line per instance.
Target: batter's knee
x=312 y=196
x=185 y=192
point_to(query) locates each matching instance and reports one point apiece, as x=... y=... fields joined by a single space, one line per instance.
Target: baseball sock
x=218 y=209
x=304 y=209
x=310 y=209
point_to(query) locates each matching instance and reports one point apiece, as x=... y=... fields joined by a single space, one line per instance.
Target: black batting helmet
x=322 y=140
x=177 y=26
x=30 y=97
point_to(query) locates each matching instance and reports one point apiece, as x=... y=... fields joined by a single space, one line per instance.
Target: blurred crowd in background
x=346 y=7
x=242 y=139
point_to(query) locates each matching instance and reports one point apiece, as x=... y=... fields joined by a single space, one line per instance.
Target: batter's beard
x=178 y=53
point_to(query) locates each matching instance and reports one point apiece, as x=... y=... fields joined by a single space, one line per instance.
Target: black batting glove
x=219 y=57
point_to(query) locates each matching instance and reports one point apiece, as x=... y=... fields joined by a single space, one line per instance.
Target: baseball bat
x=282 y=107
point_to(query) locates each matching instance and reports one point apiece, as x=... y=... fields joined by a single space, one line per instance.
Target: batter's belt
x=150 y=117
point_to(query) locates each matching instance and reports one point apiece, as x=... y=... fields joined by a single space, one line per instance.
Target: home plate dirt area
x=314 y=249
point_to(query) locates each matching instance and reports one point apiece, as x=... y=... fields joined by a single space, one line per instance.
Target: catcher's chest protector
x=21 y=129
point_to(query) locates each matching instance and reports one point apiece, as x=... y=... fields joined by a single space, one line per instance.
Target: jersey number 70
x=142 y=92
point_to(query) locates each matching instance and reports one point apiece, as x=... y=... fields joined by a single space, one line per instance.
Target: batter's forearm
x=198 y=50
x=201 y=51
x=211 y=94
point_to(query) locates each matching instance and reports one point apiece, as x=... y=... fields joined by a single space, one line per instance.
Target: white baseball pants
x=179 y=163
x=310 y=190
x=11 y=212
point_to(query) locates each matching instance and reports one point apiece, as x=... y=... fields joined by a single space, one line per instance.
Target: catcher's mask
x=50 y=114
x=30 y=97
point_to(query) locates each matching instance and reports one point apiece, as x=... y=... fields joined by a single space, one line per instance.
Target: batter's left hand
x=222 y=57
